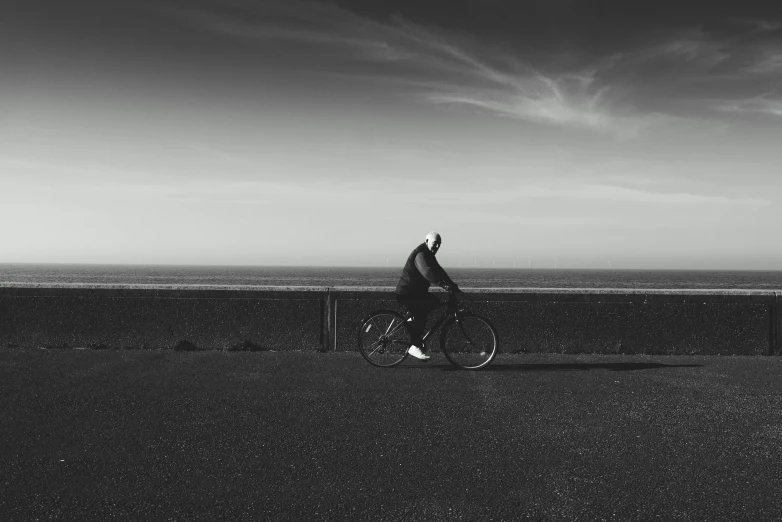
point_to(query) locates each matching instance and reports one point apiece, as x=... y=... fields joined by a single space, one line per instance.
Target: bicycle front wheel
x=382 y=339
x=469 y=342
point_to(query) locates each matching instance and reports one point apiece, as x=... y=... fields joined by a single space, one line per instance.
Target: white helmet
x=433 y=236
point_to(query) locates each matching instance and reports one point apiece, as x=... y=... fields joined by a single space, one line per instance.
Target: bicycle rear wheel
x=469 y=342
x=383 y=339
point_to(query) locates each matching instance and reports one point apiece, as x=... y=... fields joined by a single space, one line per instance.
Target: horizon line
x=522 y=268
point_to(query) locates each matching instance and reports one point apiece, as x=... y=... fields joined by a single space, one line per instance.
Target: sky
x=558 y=133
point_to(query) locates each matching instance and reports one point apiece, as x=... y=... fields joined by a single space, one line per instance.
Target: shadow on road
x=555 y=367
x=569 y=367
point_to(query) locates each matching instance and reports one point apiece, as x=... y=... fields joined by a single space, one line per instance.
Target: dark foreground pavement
x=119 y=435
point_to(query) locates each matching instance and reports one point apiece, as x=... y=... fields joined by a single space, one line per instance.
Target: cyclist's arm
x=433 y=272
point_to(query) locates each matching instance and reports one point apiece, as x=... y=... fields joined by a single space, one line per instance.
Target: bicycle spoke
x=374 y=323
x=391 y=324
x=378 y=344
x=469 y=343
x=380 y=339
x=461 y=327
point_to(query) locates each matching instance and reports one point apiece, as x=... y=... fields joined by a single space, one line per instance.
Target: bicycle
x=467 y=340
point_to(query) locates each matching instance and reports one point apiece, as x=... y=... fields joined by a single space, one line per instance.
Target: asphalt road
x=121 y=435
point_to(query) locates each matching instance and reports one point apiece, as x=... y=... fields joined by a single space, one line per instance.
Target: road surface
x=138 y=435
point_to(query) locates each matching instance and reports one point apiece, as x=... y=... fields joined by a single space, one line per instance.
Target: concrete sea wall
x=528 y=320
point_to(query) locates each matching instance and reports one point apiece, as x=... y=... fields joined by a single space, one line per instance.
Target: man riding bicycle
x=412 y=291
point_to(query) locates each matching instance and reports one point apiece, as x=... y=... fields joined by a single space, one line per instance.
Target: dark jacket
x=420 y=271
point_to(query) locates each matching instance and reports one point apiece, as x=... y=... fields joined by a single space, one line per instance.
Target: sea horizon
x=321 y=266
x=295 y=275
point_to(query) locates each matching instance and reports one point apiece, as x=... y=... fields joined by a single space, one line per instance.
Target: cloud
x=268 y=28
x=768 y=62
x=504 y=219
x=693 y=46
x=547 y=100
x=513 y=194
x=215 y=153
x=444 y=67
x=25 y=168
x=759 y=26
x=616 y=193
x=758 y=105
x=283 y=193
x=712 y=73
x=636 y=89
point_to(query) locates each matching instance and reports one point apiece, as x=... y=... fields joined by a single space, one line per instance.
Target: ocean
x=356 y=276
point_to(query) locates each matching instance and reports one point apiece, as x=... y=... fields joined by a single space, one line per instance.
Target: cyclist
x=412 y=291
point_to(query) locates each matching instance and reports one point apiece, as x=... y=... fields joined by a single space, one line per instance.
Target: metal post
x=326 y=318
x=330 y=323
x=334 y=324
x=776 y=325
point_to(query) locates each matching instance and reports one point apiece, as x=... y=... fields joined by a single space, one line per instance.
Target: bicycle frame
x=467 y=340
x=438 y=323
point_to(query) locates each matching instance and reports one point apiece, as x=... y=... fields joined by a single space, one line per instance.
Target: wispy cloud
x=617 y=193
x=282 y=193
x=445 y=69
x=622 y=94
x=759 y=26
x=290 y=21
x=751 y=46
x=547 y=100
x=733 y=73
x=693 y=46
x=34 y=169
x=763 y=104
x=215 y=153
x=595 y=192
x=767 y=62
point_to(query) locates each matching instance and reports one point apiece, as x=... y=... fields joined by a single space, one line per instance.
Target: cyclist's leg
x=428 y=303
x=410 y=305
x=432 y=302
x=419 y=307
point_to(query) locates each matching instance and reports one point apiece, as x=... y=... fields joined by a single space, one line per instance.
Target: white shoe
x=417 y=353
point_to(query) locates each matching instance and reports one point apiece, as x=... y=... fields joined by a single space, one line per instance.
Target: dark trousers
x=419 y=306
